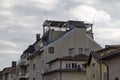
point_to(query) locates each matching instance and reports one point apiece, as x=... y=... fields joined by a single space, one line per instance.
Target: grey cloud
x=5 y=59
x=25 y=19
x=111 y=6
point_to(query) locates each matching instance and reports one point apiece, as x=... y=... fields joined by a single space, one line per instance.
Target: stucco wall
x=96 y=72
x=38 y=68
x=10 y=76
x=114 y=68
x=73 y=76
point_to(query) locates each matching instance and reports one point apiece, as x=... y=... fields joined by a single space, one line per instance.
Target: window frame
x=80 y=51
x=71 y=51
x=51 y=50
x=33 y=66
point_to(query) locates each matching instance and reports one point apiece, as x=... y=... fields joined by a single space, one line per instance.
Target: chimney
x=37 y=37
x=13 y=63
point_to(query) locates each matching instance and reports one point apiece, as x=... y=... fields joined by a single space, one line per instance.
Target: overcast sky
x=20 y=20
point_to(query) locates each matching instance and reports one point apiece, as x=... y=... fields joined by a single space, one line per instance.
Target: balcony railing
x=23 y=74
x=22 y=62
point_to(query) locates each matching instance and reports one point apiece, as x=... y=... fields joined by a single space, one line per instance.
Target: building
x=112 y=61
x=26 y=66
x=97 y=69
x=0 y=75
x=61 y=68
x=76 y=39
x=9 y=73
x=63 y=49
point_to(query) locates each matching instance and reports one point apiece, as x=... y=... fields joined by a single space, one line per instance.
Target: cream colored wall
x=38 y=68
x=104 y=70
x=53 y=76
x=94 y=70
x=88 y=73
x=98 y=70
x=66 y=76
x=55 y=65
x=114 y=68
x=73 y=76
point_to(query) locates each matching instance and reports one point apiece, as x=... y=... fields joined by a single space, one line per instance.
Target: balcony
x=23 y=74
x=22 y=62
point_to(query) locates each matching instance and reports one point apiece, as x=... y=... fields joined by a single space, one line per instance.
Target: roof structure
x=111 y=55
x=103 y=53
x=8 y=70
x=52 y=23
x=30 y=49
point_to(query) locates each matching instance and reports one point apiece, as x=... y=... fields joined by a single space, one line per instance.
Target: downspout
x=60 y=69
x=107 y=70
x=100 y=71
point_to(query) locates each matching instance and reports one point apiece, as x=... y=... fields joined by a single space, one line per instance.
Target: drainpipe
x=107 y=70
x=60 y=69
x=100 y=71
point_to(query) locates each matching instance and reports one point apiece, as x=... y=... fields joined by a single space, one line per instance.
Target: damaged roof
x=104 y=53
x=52 y=23
x=111 y=55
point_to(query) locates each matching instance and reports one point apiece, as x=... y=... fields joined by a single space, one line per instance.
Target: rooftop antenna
x=93 y=21
x=45 y=15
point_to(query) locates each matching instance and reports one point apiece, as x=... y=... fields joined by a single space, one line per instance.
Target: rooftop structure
x=64 y=25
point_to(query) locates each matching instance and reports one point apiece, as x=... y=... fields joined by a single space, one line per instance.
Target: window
x=83 y=66
x=71 y=52
x=71 y=66
x=74 y=65
x=87 y=51
x=78 y=66
x=80 y=50
x=33 y=66
x=116 y=78
x=67 y=66
x=51 y=50
x=33 y=78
